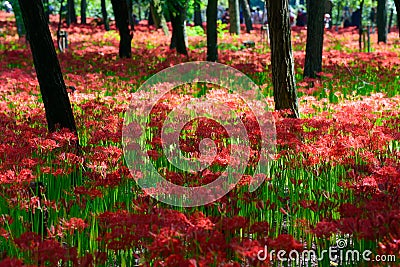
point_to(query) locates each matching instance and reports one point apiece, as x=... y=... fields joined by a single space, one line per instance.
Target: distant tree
x=71 y=12
x=283 y=79
x=397 y=4
x=18 y=18
x=198 y=20
x=120 y=8
x=315 y=37
x=177 y=11
x=83 y=11
x=212 y=34
x=247 y=15
x=105 y=15
x=234 y=17
x=52 y=87
x=381 y=20
x=157 y=13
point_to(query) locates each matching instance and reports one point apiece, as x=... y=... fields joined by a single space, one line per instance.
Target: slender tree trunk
x=247 y=15
x=381 y=20
x=18 y=18
x=198 y=20
x=397 y=3
x=234 y=17
x=121 y=12
x=390 y=19
x=283 y=79
x=83 y=11
x=105 y=15
x=178 y=21
x=52 y=87
x=158 y=16
x=212 y=34
x=71 y=13
x=361 y=28
x=315 y=38
x=130 y=14
x=46 y=10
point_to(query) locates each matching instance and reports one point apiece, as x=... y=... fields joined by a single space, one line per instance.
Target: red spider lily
x=73 y=224
x=325 y=229
x=286 y=242
x=165 y=243
x=13 y=262
x=28 y=241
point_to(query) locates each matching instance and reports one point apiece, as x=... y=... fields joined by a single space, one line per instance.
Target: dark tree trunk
x=234 y=17
x=381 y=20
x=46 y=10
x=212 y=34
x=105 y=15
x=361 y=28
x=178 y=20
x=120 y=8
x=158 y=16
x=71 y=12
x=52 y=86
x=397 y=3
x=390 y=19
x=83 y=11
x=247 y=15
x=130 y=14
x=283 y=79
x=198 y=20
x=18 y=18
x=315 y=38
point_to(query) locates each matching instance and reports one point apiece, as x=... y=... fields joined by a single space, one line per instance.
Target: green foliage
x=195 y=31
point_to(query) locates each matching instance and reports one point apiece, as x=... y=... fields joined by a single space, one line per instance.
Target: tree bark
x=178 y=21
x=212 y=34
x=105 y=15
x=234 y=17
x=83 y=11
x=247 y=15
x=315 y=38
x=381 y=20
x=158 y=16
x=121 y=12
x=283 y=79
x=52 y=87
x=198 y=20
x=361 y=28
x=397 y=4
x=18 y=18
x=71 y=12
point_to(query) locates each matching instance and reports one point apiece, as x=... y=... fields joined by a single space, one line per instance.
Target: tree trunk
x=46 y=10
x=158 y=16
x=234 y=17
x=212 y=34
x=105 y=15
x=52 y=87
x=18 y=18
x=83 y=11
x=315 y=38
x=360 y=29
x=381 y=20
x=71 y=12
x=283 y=78
x=178 y=21
x=120 y=8
x=130 y=14
x=246 y=15
x=397 y=3
x=198 y=20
